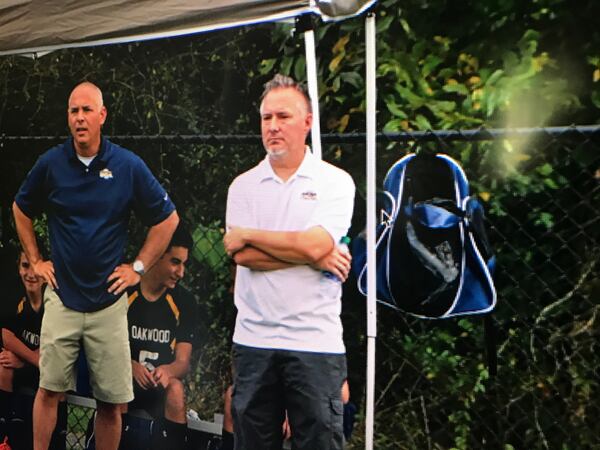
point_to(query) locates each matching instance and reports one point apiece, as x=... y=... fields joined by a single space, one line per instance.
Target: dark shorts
x=307 y=385
x=26 y=378
x=152 y=401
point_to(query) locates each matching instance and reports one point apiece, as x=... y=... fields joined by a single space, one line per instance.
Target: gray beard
x=276 y=154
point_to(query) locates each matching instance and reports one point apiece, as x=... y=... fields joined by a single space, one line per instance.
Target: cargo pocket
x=336 y=410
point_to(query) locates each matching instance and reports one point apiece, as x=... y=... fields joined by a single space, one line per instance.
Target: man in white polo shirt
x=284 y=219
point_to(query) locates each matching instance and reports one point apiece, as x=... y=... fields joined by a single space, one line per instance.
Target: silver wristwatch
x=138 y=266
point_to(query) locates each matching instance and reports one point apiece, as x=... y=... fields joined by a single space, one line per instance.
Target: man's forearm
x=297 y=247
x=256 y=259
x=13 y=344
x=26 y=234
x=157 y=240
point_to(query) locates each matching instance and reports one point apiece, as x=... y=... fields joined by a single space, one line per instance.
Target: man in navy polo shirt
x=88 y=187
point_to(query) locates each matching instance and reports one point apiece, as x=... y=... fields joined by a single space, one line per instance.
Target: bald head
x=91 y=90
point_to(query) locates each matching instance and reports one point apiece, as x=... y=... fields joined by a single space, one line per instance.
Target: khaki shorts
x=106 y=342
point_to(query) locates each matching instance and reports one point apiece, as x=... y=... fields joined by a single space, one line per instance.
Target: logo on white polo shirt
x=106 y=174
x=309 y=195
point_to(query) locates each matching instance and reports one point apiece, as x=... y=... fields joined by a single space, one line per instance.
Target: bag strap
x=389 y=305
x=476 y=226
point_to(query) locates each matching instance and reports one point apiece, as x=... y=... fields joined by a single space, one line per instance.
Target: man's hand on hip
x=45 y=270
x=122 y=277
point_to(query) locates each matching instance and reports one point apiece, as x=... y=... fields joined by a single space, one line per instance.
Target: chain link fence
x=541 y=190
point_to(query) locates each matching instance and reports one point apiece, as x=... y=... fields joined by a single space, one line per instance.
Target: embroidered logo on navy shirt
x=106 y=174
x=309 y=195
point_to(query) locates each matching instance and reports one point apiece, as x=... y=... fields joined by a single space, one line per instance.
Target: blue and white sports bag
x=433 y=256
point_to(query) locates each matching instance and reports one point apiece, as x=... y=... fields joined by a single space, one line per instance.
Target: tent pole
x=371 y=95
x=313 y=87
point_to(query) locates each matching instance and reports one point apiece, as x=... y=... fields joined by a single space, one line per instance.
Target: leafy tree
x=441 y=64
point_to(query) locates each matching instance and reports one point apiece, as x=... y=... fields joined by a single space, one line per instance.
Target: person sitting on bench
x=19 y=361
x=162 y=320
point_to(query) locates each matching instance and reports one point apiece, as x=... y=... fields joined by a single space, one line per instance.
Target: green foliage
x=438 y=77
x=444 y=65
x=440 y=65
x=208 y=247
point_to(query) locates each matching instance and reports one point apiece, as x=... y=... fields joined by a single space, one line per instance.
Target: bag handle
x=435 y=213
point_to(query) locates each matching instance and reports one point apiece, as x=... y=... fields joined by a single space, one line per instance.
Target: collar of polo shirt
x=306 y=168
x=102 y=154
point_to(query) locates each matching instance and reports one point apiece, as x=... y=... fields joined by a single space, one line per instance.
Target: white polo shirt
x=296 y=308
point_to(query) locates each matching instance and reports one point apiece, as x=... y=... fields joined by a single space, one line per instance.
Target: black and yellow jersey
x=156 y=327
x=26 y=323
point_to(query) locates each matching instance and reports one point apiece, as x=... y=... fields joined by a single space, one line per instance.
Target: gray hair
x=280 y=81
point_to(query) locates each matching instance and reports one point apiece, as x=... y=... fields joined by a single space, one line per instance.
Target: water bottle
x=343 y=246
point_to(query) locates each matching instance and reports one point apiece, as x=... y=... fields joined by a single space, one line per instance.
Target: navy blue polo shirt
x=88 y=211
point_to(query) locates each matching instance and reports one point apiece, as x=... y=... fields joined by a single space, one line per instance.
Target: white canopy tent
x=29 y=26
x=40 y=26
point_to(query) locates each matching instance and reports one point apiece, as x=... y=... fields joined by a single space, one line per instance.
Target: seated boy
x=19 y=360
x=162 y=320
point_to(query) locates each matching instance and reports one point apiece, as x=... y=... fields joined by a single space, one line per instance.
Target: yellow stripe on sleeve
x=132 y=297
x=21 y=305
x=173 y=306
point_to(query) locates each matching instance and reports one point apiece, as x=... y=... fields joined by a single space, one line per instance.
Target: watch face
x=138 y=266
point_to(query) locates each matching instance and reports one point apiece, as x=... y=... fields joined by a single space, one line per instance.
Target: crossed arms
x=272 y=250
x=15 y=353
